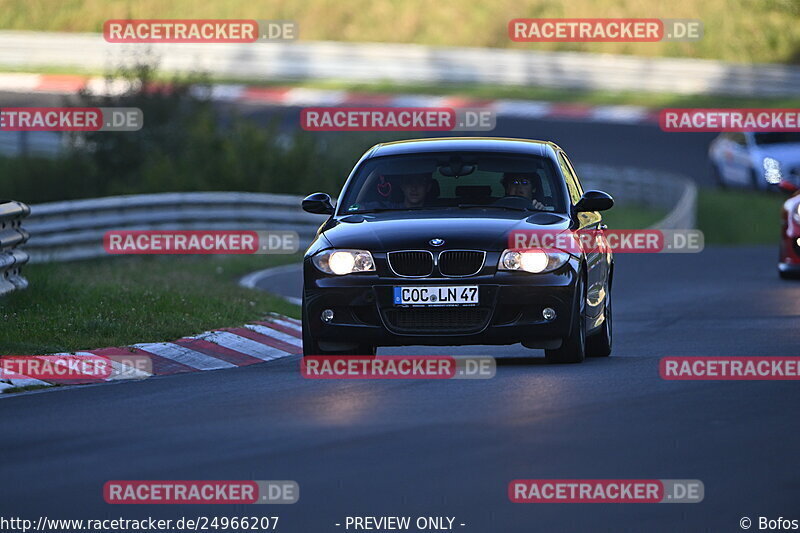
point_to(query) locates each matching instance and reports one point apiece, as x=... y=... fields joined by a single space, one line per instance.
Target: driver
x=522 y=184
x=415 y=189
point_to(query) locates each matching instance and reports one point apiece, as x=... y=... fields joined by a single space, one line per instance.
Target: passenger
x=523 y=184
x=415 y=189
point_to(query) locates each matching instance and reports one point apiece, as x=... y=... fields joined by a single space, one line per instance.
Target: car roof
x=457 y=144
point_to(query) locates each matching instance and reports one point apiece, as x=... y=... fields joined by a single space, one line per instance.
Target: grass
x=26 y=388
x=119 y=301
x=630 y=217
x=734 y=30
x=738 y=217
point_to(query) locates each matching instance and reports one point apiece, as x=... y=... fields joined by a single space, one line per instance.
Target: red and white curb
x=273 y=338
x=302 y=97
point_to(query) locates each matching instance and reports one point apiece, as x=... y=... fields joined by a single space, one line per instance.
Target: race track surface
x=451 y=447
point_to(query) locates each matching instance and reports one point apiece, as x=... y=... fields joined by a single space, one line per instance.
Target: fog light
x=798 y=242
x=548 y=313
x=327 y=315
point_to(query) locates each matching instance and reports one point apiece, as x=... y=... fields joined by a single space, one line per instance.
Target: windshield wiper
x=364 y=211
x=384 y=209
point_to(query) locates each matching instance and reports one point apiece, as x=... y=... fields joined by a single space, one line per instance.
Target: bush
x=187 y=144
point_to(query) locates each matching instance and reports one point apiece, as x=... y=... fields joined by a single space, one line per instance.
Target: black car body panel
x=510 y=303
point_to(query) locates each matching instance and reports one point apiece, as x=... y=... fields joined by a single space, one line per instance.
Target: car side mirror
x=318 y=203
x=594 y=201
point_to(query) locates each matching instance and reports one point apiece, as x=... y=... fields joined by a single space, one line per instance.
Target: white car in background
x=755 y=160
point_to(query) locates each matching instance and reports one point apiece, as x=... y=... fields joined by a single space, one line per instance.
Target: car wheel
x=598 y=344
x=573 y=347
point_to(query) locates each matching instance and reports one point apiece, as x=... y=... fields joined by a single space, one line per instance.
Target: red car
x=789 y=259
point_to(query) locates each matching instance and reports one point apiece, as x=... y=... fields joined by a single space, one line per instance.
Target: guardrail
x=674 y=193
x=65 y=231
x=16 y=143
x=409 y=63
x=11 y=237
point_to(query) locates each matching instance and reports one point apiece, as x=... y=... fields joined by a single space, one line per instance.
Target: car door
x=735 y=158
x=596 y=258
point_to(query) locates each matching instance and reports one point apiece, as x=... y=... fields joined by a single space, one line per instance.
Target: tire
x=599 y=343
x=573 y=347
x=311 y=347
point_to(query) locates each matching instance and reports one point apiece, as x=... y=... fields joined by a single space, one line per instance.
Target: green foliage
x=739 y=216
x=187 y=144
x=119 y=301
x=747 y=31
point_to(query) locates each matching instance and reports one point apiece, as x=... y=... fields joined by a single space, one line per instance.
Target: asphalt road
x=450 y=448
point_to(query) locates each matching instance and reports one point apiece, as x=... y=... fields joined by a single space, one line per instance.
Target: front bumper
x=509 y=310
x=789 y=251
x=789 y=268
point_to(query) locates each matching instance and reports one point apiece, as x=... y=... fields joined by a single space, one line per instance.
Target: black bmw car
x=417 y=252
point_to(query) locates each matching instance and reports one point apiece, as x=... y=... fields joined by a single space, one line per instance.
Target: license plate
x=428 y=296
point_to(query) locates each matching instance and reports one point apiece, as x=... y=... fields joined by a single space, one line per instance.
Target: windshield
x=777 y=137
x=455 y=180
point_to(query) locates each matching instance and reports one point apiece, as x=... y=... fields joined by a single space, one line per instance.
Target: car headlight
x=796 y=213
x=772 y=170
x=533 y=261
x=341 y=262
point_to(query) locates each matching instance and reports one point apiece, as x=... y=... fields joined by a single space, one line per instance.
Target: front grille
x=460 y=262
x=412 y=263
x=437 y=319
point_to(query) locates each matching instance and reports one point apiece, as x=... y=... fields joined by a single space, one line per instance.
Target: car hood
x=383 y=232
